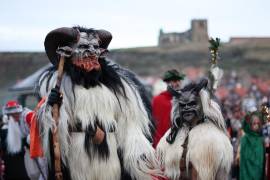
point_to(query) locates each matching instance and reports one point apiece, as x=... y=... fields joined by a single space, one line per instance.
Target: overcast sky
x=25 y=23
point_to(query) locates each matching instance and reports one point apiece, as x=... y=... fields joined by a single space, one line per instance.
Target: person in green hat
x=252 y=150
x=161 y=104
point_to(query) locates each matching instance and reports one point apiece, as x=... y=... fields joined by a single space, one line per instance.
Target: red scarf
x=35 y=142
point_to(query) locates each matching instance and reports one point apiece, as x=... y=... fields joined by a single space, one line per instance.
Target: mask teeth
x=85 y=63
x=80 y=57
x=87 y=66
x=79 y=63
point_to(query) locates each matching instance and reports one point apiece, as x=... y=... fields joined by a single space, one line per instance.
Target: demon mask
x=83 y=50
x=86 y=52
x=187 y=108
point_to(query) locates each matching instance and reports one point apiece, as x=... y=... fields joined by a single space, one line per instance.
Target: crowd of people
x=247 y=126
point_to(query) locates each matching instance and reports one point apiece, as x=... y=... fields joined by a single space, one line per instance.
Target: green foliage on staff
x=214 y=45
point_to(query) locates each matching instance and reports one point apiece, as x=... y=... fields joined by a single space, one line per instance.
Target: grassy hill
x=247 y=58
x=251 y=58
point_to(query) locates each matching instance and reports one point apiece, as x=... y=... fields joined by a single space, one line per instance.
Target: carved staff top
x=214 y=45
x=215 y=73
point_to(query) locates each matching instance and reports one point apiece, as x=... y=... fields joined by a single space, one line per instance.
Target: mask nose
x=89 y=52
x=186 y=107
x=92 y=49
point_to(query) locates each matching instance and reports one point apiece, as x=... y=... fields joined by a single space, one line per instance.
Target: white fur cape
x=131 y=122
x=209 y=148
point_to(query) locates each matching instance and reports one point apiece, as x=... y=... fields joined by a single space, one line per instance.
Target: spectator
x=252 y=150
x=15 y=141
x=161 y=103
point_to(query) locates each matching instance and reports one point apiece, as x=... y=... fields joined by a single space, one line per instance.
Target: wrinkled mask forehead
x=187 y=96
x=88 y=39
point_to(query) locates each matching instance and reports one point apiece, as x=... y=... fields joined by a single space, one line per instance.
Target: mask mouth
x=88 y=63
x=188 y=115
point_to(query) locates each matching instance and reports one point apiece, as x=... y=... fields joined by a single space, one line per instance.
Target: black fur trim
x=131 y=78
x=124 y=174
x=196 y=87
x=49 y=72
x=101 y=149
x=171 y=137
x=106 y=76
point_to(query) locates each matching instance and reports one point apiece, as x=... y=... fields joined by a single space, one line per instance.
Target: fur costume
x=108 y=97
x=208 y=148
x=18 y=140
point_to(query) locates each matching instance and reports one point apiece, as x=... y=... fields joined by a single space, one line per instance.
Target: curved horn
x=105 y=38
x=57 y=38
x=202 y=84
x=174 y=92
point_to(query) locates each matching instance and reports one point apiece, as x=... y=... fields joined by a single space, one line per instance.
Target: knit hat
x=173 y=74
x=11 y=107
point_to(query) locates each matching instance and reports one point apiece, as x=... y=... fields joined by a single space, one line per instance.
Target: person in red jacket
x=161 y=104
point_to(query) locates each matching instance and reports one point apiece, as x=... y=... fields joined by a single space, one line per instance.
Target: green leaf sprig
x=214 y=45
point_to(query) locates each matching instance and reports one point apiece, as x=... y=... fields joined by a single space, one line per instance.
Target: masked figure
x=104 y=124
x=197 y=136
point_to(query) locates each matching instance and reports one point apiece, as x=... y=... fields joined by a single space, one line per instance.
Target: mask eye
x=182 y=105
x=95 y=46
x=192 y=103
x=84 y=46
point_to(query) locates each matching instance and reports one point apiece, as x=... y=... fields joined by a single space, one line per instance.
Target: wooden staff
x=56 y=115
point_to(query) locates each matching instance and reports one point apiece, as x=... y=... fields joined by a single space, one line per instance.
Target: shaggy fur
x=17 y=131
x=14 y=136
x=168 y=156
x=212 y=110
x=210 y=152
x=108 y=104
x=209 y=148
